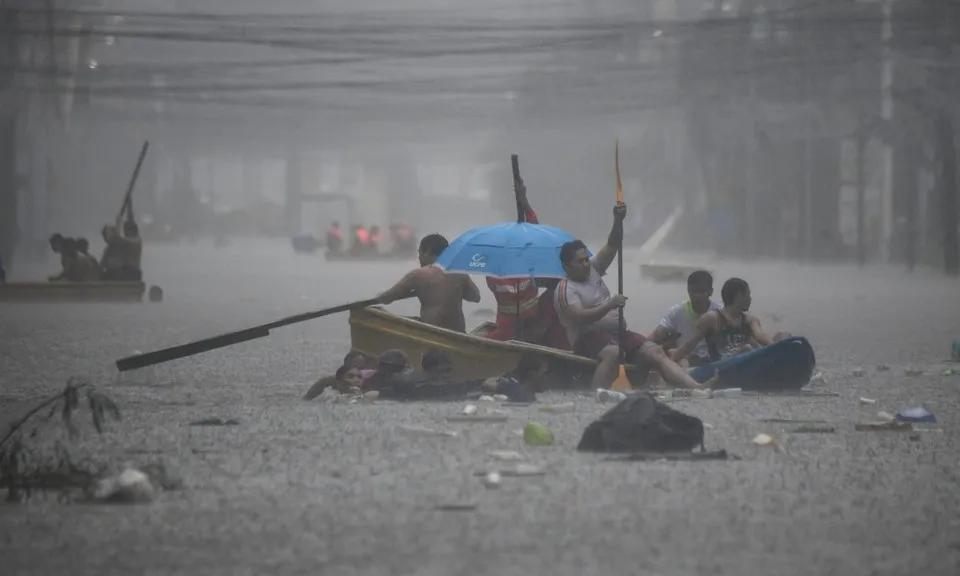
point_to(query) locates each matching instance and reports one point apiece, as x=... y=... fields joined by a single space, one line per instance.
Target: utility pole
x=886 y=113
x=861 y=190
x=946 y=144
x=806 y=39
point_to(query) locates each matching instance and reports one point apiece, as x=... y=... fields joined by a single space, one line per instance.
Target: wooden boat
x=373 y=330
x=73 y=291
x=377 y=257
x=667 y=272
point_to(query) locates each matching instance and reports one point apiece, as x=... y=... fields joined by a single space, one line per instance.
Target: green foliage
x=25 y=467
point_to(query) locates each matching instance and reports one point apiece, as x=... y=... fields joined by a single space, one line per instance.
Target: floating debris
x=883 y=425
x=536 y=434
x=764 y=440
x=505 y=455
x=469 y=410
x=215 y=422
x=492 y=480
x=604 y=395
x=918 y=414
x=421 y=431
x=478 y=418
x=130 y=486
x=813 y=430
x=883 y=368
x=565 y=408
x=858 y=372
x=914 y=372
x=867 y=400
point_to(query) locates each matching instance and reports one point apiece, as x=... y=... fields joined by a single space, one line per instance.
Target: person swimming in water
x=441 y=295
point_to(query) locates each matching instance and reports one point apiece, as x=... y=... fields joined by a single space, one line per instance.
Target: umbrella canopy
x=513 y=250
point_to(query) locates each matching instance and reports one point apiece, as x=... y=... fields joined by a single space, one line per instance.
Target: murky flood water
x=341 y=489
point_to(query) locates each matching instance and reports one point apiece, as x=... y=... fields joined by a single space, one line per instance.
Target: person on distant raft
x=680 y=323
x=441 y=295
x=589 y=313
x=334 y=238
x=78 y=268
x=730 y=330
x=121 y=257
x=374 y=247
x=402 y=237
x=361 y=240
x=517 y=298
x=56 y=245
x=83 y=251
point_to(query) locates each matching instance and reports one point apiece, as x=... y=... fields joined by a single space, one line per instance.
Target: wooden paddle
x=515 y=161
x=622 y=383
x=127 y=202
x=230 y=338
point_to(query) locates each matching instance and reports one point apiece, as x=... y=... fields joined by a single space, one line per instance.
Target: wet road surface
x=341 y=489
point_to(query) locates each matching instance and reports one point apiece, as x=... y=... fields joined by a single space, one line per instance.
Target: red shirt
x=508 y=291
x=554 y=335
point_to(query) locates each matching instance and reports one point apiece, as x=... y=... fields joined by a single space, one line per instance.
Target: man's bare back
x=441 y=295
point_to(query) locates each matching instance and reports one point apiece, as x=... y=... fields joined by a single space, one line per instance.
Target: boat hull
x=782 y=366
x=373 y=330
x=72 y=291
x=667 y=272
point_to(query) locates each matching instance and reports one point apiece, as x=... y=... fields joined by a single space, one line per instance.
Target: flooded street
x=339 y=489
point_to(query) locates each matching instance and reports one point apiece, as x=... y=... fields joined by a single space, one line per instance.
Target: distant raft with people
x=346 y=256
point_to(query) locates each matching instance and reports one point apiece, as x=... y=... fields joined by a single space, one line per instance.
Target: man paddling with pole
x=593 y=317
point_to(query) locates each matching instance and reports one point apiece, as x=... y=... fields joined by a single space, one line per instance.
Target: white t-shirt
x=681 y=319
x=588 y=294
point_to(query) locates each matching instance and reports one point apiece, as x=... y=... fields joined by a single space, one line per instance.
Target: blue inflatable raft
x=784 y=365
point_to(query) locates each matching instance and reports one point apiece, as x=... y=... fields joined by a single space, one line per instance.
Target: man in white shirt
x=680 y=323
x=590 y=315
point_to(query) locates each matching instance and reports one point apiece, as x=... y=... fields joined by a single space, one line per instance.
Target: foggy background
x=751 y=114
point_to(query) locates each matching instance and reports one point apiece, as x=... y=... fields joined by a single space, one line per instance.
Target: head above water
x=436 y=361
x=392 y=361
x=431 y=246
x=575 y=260
x=700 y=289
x=736 y=293
x=354 y=358
x=348 y=377
x=56 y=241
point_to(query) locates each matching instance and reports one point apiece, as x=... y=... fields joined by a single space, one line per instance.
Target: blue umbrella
x=513 y=250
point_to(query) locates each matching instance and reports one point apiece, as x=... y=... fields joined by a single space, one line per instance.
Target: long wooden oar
x=515 y=162
x=622 y=383
x=127 y=200
x=230 y=338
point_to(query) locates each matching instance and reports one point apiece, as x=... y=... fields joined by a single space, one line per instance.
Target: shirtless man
x=56 y=244
x=589 y=313
x=731 y=330
x=121 y=257
x=680 y=323
x=441 y=295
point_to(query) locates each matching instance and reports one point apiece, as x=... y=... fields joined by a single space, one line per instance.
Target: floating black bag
x=641 y=424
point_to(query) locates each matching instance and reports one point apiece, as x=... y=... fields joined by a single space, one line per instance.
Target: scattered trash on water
x=701 y=393
x=867 y=400
x=885 y=416
x=883 y=425
x=565 y=408
x=673 y=456
x=215 y=422
x=882 y=368
x=485 y=398
x=727 y=393
x=813 y=430
x=130 y=486
x=792 y=421
x=536 y=434
x=505 y=455
x=524 y=470
x=764 y=440
x=664 y=395
x=456 y=507
x=421 y=431
x=707 y=426
x=501 y=397
x=950 y=372
x=817 y=379
x=492 y=480
x=858 y=373
x=913 y=372
x=918 y=414
x=478 y=418
x=469 y=410
x=604 y=395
